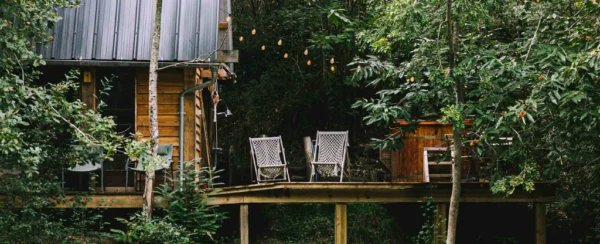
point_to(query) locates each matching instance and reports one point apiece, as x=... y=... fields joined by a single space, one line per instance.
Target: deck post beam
x=341 y=223
x=540 y=223
x=244 y=233
x=441 y=223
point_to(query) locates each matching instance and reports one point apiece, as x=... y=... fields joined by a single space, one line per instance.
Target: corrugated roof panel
x=105 y=29
x=144 y=39
x=168 y=29
x=84 y=40
x=122 y=30
x=208 y=29
x=126 y=30
x=188 y=30
x=65 y=34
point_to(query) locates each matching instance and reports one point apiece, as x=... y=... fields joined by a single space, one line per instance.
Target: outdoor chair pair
x=96 y=162
x=328 y=157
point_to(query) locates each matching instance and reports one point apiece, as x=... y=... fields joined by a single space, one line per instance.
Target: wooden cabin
x=109 y=37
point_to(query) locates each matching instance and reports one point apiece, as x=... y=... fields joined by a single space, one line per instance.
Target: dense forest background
x=529 y=70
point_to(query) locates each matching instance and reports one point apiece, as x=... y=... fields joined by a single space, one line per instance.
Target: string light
x=309 y=3
x=263 y=47
x=285 y=55
x=253 y=31
x=305 y=51
x=358 y=68
x=241 y=38
x=332 y=60
x=228 y=18
x=308 y=62
x=279 y=42
x=332 y=68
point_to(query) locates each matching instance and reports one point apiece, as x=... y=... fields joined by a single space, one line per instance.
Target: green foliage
x=142 y=230
x=138 y=149
x=428 y=234
x=529 y=70
x=42 y=131
x=188 y=205
x=187 y=217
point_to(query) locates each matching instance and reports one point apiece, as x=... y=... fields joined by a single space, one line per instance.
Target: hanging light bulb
x=279 y=42
x=332 y=68
x=285 y=55
x=263 y=47
x=308 y=62
x=305 y=51
x=309 y=3
x=332 y=60
x=253 y=31
x=358 y=68
x=228 y=18
x=241 y=38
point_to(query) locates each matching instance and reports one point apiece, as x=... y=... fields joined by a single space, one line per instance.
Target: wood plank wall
x=170 y=83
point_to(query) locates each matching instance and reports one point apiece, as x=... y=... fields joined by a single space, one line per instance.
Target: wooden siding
x=170 y=83
x=407 y=164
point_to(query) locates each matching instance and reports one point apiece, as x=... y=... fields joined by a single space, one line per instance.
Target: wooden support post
x=88 y=88
x=441 y=219
x=341 y=223
x=244 y=237
x=308 y=154
x=189 y=128
x=540 y=223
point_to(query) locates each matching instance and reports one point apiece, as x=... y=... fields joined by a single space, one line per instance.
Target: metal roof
x=122 y=30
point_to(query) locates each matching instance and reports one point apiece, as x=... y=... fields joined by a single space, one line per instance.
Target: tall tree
x=152 y=100
x=457 y=135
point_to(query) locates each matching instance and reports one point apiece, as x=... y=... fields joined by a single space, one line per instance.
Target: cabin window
x=119 y=99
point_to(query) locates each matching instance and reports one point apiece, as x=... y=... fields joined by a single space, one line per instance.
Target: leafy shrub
x=188 y=205
x=141 y=230
x=187 y=216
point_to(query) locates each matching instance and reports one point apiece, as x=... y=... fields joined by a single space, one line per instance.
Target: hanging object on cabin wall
x=305 y=51
x=279 y=42
x=285 y=55
x=241 y=38
x=263 y=47
x=308 y=62
x=253 y=31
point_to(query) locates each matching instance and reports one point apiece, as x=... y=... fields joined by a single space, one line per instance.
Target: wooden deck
x=354 y=192
x=334 y=192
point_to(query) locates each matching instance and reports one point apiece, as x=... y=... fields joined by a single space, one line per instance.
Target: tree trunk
x=153 y=107
x=457 y=135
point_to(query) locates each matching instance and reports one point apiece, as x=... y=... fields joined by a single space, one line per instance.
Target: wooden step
x=441 y=163
x=439 y=175
x=436 y=149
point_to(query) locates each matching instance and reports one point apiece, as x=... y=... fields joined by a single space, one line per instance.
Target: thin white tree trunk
x=457 y=135
x=152 y=100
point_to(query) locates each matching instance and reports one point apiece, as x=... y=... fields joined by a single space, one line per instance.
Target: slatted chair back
x=269 y=159
x=330 y=146
x=329 y=155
